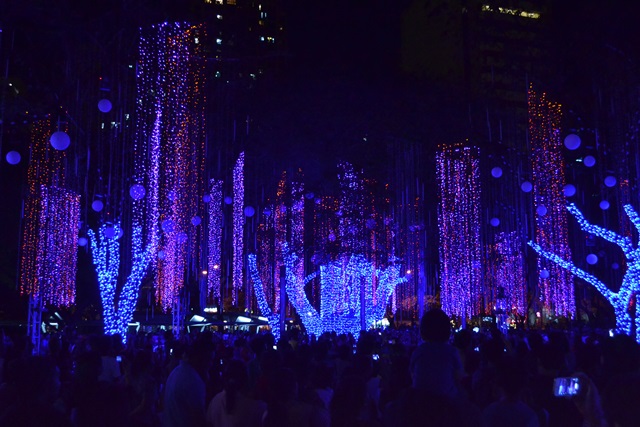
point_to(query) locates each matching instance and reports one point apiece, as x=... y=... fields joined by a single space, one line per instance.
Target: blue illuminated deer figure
x=621 y=300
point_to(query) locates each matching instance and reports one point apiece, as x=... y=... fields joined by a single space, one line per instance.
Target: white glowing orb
x=615 y=266
x=206 y=198
x=610 y=181
x=526 y=187
x=494 y=222
x=249 y=211
x=181 y=237
x=137 y=191
x=97 y=205
x=110 y=232
x=572 y=141
x=592 y=259
x=496 y=172
x=172 y=195
x=589 y=161
x=569 y=190
x=228 y=200
x=604 y=205
x=544 y=273
x=104 y=105
x=13 y=157
x=541 y=210
x=161 y=255
x=82 y=241
x=60 y=140
x=267 y=211
x=196 y=220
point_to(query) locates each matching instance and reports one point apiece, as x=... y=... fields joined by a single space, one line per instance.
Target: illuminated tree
x=630 y=284
x=105 y=249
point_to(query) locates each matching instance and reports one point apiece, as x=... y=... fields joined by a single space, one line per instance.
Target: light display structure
x=551 y=232
x=169 y=150
x=622 y=300
x=48 y=252
x=458 y=173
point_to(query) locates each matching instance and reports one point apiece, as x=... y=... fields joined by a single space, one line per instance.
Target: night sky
x=346 y=88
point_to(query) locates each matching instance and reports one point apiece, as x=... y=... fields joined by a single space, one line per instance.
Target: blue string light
x=631 y=282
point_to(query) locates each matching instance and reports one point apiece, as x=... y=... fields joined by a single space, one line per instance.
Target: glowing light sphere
x=60 y=140
x=13 y=157
x=604 y=205
x=196 y=220
x=206 y=198
x=82 y=241
x=110 y=232
x=332 y=237
x=228 y=200
x=161 y=255
x=615 y=266
x=496 y=172
x=97 y=205
x=589 y=161
x=309 y=196
x=494 y=222
x=544 y=274
x=541 y=210
x=572 y=141
x=592 y=259
x=526 y=187
x=181 y=237
x=168 y=225
x=569 y=190
x=610 y=181
x=267 y=211
x=137 y=191
x=172 y=195
x=249 y=211
x=104 y=105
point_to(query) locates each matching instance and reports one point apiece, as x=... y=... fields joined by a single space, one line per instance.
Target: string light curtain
x=551 y=231
x=214 y=272
x=169 y=149
x=458 y=174
x=238 y=227
x=49 y=250
x=508 y=271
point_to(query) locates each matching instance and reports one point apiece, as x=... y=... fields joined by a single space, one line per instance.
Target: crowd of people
x=426 y=376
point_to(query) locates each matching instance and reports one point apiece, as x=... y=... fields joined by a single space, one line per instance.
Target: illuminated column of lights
x=238 y=226
x=551 y=232
x=266 y=252
x=351 y=229
x=297 y=222
x=509 y=271
x=169 y=148
x=45 y=169
x=215 y=239
x=620 y=300
x=296 y=293
x=280 y=239
x=58 y=245
x=273 y=317
x=458 y=176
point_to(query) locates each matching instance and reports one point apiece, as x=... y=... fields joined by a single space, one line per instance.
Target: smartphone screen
x=566 y=386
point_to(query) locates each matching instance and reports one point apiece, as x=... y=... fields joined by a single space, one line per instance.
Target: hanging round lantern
x=541 y=210
x=137 y=191
x=206 y=198
x=494 y=222
x=592 y=259
x=572 y=141
x=196 y=220
x=544 y=274
x=228 y=200
x=569 y=190
x=526 y=187
x=161 y=255
x=181 y=237
x=60 y=140
x=168 y=225
x=496 y=172
x=110 y=232
x=604 y=205
x=104 y=105
x=82 y=241
x=610 y=181
x=13 y=157
x=249 y=211
x=172 y=195
x=615 y=266
x=97 y=205
x=589 y=161
x=267 y=211
x=309 y=196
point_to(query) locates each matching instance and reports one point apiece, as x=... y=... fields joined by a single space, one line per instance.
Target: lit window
x=508 y=11
x=196 y=40
x=219 y=1
x=217 y=73
x=218 y=41
x=219 y=16
x=231 y=2
x=261 y=39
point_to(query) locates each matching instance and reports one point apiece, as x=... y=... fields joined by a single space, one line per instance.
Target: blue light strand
x=263 y=305
x=238 y=227
x=631 y=282
x=214 y=272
